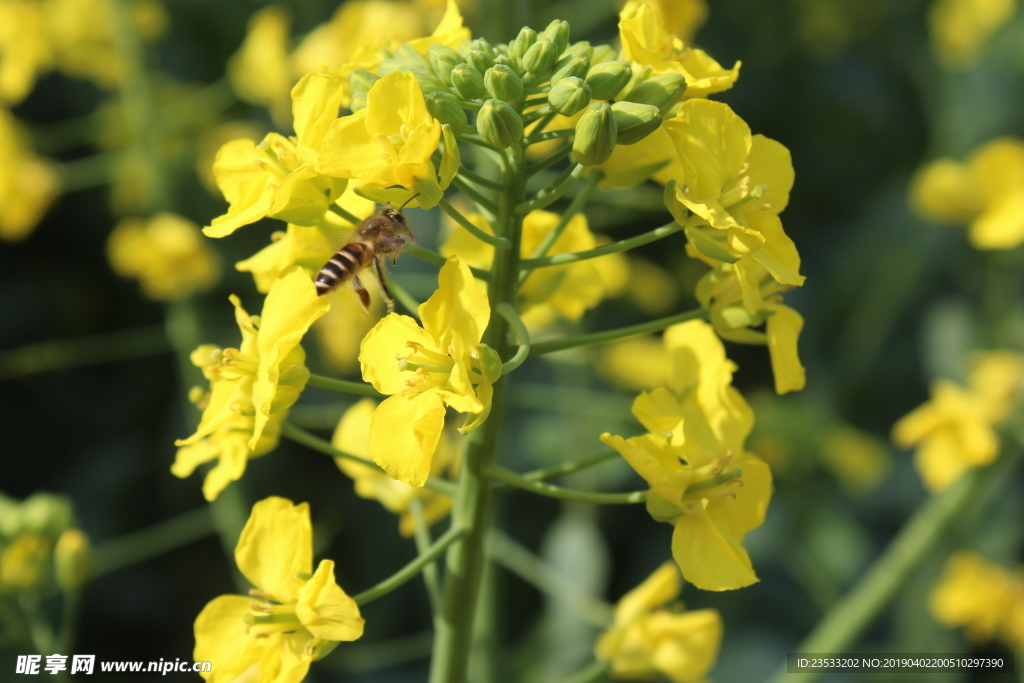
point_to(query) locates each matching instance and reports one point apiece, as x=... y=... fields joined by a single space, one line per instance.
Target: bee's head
x=398 y=222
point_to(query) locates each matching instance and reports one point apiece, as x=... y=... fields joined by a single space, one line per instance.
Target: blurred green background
x=851 y=87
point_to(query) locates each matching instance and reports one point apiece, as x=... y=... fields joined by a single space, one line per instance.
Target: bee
x=380 y=236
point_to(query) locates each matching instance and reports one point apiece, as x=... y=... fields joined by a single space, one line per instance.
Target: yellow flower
x=985 y=599
x=449 y=32
x=27 y=183
x=859 y=460
x=259 y=70
x=280 y=176
x=25 y=52
x=559 y=291
x=961 y=29
x=352 y=435
x=23 y=562
x=71 y=559
x=646 y=42
x=653 y=158
x=389 y=142
x=681 y=18
x=742 y=295
x=637 y=363
x=166 y=253
x=252 y=386
x=292 y=616
x=444 y=364
x=649 y=639
x=986 y=192
x=955 y=430
x=736 y=187
x=701 y=478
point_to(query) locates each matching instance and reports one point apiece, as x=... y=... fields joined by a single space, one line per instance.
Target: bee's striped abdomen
x=349 y=260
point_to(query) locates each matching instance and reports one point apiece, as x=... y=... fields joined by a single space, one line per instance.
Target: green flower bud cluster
x=39 y=544
x=500 y=89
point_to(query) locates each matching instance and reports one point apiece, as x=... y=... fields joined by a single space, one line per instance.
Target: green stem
x=478 y=141
x=520 y=561
x=476 y=195
x=421 y=533
x=424 y=254
x=152 y=541
x=493 y=240
x=844 y=623
x=508 y=312
x=569 y=467
x=577 y=204
x=345 y=215
x=549 y=160
x=298 y=435
x=60 y=354
x=548 y=135
x=359 y=388
x=410 y=570
x=475 y=500
x=552 y=491
x=480 y=180
x=551 y=194
x=88 y=172
x=613 y=248
x=592 y=674
x=613 y=335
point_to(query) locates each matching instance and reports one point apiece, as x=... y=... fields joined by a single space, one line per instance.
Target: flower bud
x=558 y=33
x=46 y=513
x=499 y=124
x=635 y=121
x=468 y=82
x=480 y=55
x=71 y=559
x=447 y=108
x=513 y=64
x=608 y=79
x=581 y=48
x=358 y=101
x=596 y=132
x=663 y=91
x=569 y=96
x=362 y=80
x=572 y=65
x=503 y=83
x=518 y=47
x=603 y=53
x=443 y=59
x=541 y=57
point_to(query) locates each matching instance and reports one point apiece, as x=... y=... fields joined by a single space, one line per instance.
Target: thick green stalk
x=359 y=388
x=475 y=499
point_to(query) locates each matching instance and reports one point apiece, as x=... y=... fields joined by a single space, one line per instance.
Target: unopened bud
x=603 y=53
x=518 y=47
x=362 y=80
x=480 y=55
x=71 y=559
x=572 y=65
x=581 y=48
x=503 y=83
x=541 y=57
x=608 y=79
x=447 y=108
x=569 y=96
x=46 y=513
x=663 y=91
x=443 y=59
x=596 y=132
x=558 y=33
x=499 y=124
x=468 y=82
x=635 y=121
x=513 y=64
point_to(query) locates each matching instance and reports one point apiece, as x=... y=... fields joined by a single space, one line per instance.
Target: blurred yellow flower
x=955 y=430
x=259 y=71
x=653 y=158
x=647 y=43
x=25 y=51
x=387 y=143
x=985 y=599
x=280 y=177
x=167 y=254
x=341 y=331
x=681 y=18
x=961 y=29
x=71 y=559
x=986 y=192
x=449 y=32
x=258 y=381
x=352 y=435
x=28 y=183
x=637 y=363
x=859 y=460
x=702 y=480
x=564 y=292
x=651 y=638
x=210 y=142
x=23 y=562
x=445 y=365
x=290 y=618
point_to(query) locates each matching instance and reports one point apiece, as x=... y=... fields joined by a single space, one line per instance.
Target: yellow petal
x=352 y=435
x=404 y=435
x=459 y=304
x=656 y=590
x=1001 y=225
x=348 y=150
x=221 y=637
x=713 y=142
x=381 y=347
x=945 y=190
x=248 y=188
x=709 y=557
x=783 y=329
x=396 y=100
x=685 y=645
x=746 y=510
x=290 y=308
x=658 y=411
x=316 y=99
x=449 y=31
x=275 y=545
x=653 y=460
x=325 y=609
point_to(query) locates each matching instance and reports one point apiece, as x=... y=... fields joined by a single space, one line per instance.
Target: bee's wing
x=338 y=236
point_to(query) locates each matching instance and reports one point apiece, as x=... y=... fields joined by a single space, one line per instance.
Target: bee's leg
x=385 y=293
x=364 y=296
